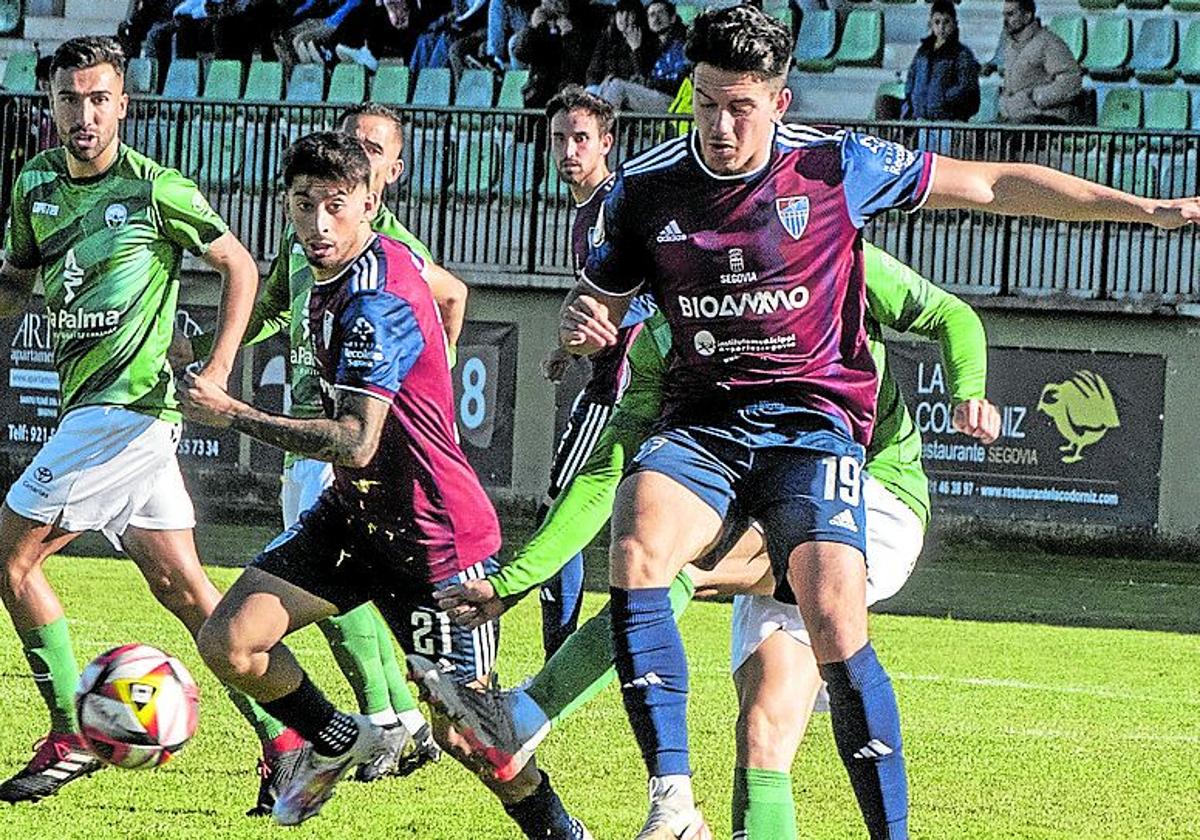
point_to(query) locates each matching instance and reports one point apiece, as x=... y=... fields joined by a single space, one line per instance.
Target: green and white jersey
x=109 y=249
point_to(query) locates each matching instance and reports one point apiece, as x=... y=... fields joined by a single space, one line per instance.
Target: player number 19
x=842 y=478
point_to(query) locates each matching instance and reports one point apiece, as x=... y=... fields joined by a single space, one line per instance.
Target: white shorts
x=303 y=482
x=105 y=469
x=894 y=539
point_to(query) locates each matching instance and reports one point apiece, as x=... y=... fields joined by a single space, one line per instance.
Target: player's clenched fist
x=471 y=603
x=977 y=418
x=205 y=401
x=585 y=327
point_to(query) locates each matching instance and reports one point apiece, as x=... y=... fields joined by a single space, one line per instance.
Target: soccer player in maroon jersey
x=405 y=514
x=770 y=396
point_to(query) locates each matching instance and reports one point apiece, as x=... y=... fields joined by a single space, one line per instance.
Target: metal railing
x=480 y=190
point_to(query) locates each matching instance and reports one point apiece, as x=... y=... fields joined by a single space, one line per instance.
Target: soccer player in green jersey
x=772 y=657
x=106 y=228
x=361 y=642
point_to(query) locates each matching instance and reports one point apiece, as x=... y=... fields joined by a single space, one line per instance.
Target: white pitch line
x=1058 y=735
x=1020 y=685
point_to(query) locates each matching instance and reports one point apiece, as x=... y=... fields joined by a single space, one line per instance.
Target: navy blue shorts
x=798 y=473
x=331 y=554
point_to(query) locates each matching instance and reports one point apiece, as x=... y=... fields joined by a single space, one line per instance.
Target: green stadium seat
x=20 y=74
x=183 y=79
x=433 y=88
x=1145 y=4
x=516 y=171
x=265 y=81
x=475 y=161
x=899 y=1
x=307 y=83
x=1156 y=50
x=10 y=16
x=223 y=81
x=816 y=41
x=886 y=90
x=348 y=84
x=1188 y=65
x=1099 y=4
x=1073 y=30
x=475 y=90
x=862 y=39
x=510 y=89
x=141 y=76
x=1167 y=109
x=390 y=85
x=1122 y=109
x=989 y=105
x=1195 y=120
x=1110 y=44
x=687 y=12
x=1185 y=5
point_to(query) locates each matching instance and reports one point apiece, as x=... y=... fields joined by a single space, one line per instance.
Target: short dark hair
x=1025 y=5
x=741 y=39
x=670 y=6
x=575 y=98
x=88 y=51
x=327 y=156
x=376 y=109
x=944 y=7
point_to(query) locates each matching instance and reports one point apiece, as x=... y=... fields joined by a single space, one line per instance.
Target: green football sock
x=48 y=650
x=265 y=726
x=354 y=638
x=397 y=685
x=582 y=667
x=762 y=805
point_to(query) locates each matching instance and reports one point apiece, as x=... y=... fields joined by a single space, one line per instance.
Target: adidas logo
x=845 y=519
x=874 y=749
x=671 y=233
x=547 y=596
x=645 y=681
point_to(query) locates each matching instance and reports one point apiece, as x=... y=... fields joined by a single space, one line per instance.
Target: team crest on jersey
x=116 y=215
x=793 y=214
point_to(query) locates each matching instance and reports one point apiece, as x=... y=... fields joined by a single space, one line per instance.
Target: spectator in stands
x=505 y=19
x=155 y=26
x=1042 y=80
x=308 y=34
x=943 y=79
x=556 y=46
x=639 y=62
x=450 y=39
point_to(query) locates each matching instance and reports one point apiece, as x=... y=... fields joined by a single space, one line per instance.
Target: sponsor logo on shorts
x=43 y=475
x=651 y=446
x=845 y=520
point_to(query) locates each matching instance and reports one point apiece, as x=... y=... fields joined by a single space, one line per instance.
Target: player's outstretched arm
x=589 y=319
x=349 y=439
x=450 y=295
x=239 y=273
x=16 y=285
x=1026 y=189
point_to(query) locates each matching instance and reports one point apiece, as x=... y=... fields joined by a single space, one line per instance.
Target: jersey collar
x=346 y=268
x=599 y=188
x=694 y=145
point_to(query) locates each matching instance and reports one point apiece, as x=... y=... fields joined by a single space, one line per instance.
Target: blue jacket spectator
x=671 y=65
x=943 y=79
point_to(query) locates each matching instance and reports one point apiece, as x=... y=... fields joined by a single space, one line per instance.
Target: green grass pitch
x=1030 y=710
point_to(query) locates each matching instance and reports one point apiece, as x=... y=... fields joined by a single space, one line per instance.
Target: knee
x=221 y=651
x=765 y=736
x=635 y=563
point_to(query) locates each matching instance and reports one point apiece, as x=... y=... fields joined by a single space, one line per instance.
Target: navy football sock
x=866 y=727
x=541 y=815
x=652 y=667
x=562 y=597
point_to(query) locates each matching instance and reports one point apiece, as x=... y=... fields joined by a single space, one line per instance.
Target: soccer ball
x=137 y=706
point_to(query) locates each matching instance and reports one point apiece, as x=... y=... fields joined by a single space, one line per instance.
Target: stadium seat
x=687 y=12
x=816 y=41
x=265 y=81
x=1122 y=109
x=183 y=79
x=307 y=83
x=1188 y=65
x=474 y=163
x=1099 y=4
x=10 y=16
x=989 y=105
x=223 y=81
x=1073 y=30
x=1167 y=109
x=141 y=76
x=433 y=88
x=390 y=85
x=1185 y=5
x=348 y=84
x=510 y=89
x=1145 y=4
x=862 y=39
x=475 y=90
x=1110 y=44
x=20 y=74
x=1156 y=50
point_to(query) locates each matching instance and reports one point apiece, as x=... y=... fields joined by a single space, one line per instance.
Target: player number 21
x=842 y=478
x=429 y=629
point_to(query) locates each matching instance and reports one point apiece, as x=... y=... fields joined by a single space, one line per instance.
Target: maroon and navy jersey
x=760 y=275
x=607 y=380
x=377 y=331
